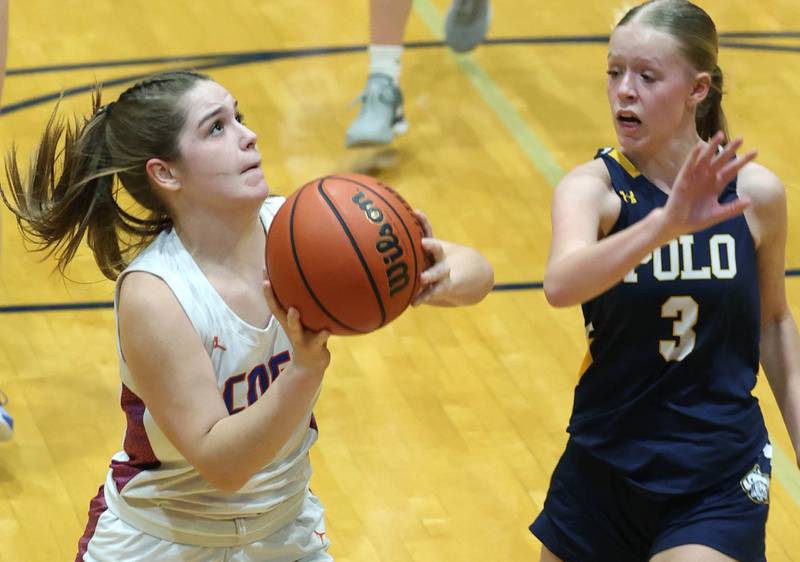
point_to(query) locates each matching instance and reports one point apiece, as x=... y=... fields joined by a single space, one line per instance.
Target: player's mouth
x=628 y=120
x=252 y=167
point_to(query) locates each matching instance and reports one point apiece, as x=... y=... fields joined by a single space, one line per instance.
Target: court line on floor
x=537 y=152
x=337 y=49
x=92 y=305
x=210 y=61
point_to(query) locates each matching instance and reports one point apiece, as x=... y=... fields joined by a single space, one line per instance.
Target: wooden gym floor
x=439 y=432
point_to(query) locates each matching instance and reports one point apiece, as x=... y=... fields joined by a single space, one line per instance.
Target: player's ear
x=163 y=175
x=701 y=86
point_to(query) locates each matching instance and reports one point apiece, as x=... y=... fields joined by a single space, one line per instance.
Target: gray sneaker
x=466 y=24
x=381 y=116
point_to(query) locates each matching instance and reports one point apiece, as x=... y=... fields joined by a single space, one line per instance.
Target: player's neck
x=216 y=240
x=662 y=164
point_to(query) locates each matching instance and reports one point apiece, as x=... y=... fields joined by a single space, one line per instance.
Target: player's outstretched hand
x=694 y=202
x=435 y=279
x=310 y=348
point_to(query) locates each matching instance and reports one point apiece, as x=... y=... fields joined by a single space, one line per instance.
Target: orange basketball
x=345 y=250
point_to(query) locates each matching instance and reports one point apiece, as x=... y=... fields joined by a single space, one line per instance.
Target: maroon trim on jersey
x=96 y=508
x=136 y=445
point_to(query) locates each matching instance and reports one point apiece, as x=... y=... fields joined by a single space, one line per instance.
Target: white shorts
x=303 y=540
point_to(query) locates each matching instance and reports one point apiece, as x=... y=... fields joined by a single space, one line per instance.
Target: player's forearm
x=780 y=357
x=240 y=445
x=588 y=272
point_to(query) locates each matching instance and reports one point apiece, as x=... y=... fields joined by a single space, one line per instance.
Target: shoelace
x=362 y=97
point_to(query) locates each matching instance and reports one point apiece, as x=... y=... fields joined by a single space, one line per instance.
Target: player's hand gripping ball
x=345 y=250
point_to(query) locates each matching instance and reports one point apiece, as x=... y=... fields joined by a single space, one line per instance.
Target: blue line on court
x=94 y=305
x=17 y=308
x=317 y=51
x=518 y=286
x=760 y=35
x=761 y=47
x=222 y=60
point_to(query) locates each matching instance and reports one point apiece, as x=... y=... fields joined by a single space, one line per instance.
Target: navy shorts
x=592 y=514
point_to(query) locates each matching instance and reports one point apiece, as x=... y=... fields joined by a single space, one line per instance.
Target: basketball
x=345 y=250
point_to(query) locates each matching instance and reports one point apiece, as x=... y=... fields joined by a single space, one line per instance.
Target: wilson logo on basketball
x=388 y=245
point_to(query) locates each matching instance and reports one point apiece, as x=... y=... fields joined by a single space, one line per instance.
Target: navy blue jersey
x=665 y=394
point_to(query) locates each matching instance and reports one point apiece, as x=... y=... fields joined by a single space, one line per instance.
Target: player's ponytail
x=71 y=189
x=709 y=117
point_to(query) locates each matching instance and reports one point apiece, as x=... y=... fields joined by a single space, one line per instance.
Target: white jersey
x=150 y=484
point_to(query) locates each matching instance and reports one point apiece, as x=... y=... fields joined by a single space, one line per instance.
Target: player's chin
x=628 y=142
x=253 y=178
x=256 y=188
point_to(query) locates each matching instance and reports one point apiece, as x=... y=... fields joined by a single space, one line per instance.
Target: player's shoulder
x=146 y=294
x=594 y=169
x=587 y=180
x=760 y=185
x=150 y=316
x=766 y=216
x=593 y=173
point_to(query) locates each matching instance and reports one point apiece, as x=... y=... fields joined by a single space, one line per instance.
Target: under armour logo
x=629 y=197
x=321 y=536
x=215 y=344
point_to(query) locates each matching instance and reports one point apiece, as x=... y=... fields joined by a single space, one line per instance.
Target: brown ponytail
x=709 y=117
x=71 y=191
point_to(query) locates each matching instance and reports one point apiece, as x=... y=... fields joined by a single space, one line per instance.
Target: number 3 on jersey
x=684 y=310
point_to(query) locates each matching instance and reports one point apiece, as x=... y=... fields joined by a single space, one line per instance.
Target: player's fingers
x=440 y=269
x=436 y=274
x=712 y=147
x=321 y=338
x=729 y=149
x=272 y=302
x=421 y=297
x=293 y=325
x=427 y=228
x=726 y=155
x=432 y=293
x=729 y=171
x=434 y=248
x=732 y=209
x=706 y=153
x=689 y=167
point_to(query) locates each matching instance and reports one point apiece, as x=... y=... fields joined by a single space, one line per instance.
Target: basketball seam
x=413 y=250
x=357 y=250
x=300 y=269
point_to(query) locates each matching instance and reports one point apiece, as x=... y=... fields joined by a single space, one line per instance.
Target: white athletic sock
x=385 y=59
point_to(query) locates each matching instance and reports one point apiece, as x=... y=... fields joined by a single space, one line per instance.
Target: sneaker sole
x=398 y=128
